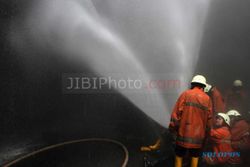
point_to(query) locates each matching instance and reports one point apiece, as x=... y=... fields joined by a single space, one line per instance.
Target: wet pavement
x=87 y=154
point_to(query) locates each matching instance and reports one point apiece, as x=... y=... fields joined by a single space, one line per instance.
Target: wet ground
x=82 y=153
x=78 y=154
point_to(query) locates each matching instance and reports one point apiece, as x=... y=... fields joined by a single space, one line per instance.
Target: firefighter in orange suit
x=236 y=98
x=240 y=136
x=220 y=140
x=218 y=104
x=190 y=118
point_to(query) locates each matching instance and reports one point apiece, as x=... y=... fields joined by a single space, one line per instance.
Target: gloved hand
x=156 y=146
x=145 y=148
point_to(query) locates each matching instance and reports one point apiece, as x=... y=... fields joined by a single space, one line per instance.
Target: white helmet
x=225 y=117
x=237 y=83
x=207 y=88
x=199 y=79
x=233 y=113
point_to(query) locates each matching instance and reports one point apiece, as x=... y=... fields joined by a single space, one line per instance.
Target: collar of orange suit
x=198 y=88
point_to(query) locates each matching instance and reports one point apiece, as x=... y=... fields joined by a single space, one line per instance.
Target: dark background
x=225 y=51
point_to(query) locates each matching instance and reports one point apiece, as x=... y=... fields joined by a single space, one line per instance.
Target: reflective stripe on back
x=196 y=105
x=189 y=140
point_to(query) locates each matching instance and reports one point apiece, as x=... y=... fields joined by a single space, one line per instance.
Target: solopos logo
x=220 y=154
x=77 y=83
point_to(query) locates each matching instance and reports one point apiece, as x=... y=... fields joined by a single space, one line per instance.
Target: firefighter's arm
x=176 y=115
x=209 y=125
x=210 y=118
x=219 y=135
x=219 y=102
x=215 y=135
x=242 y=143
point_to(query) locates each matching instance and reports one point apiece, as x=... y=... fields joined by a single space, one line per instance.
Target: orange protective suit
x=191 y=116
x=240 y=138
x=237 y=100
x=218 y=104
x=220 y=139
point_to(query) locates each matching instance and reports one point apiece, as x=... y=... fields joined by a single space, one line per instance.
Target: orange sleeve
x=177 y=113
x=219 y=104
x=210 y=115
x=218 y=134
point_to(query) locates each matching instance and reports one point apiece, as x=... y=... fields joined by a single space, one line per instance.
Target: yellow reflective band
x=189 y=140
x=196 y=105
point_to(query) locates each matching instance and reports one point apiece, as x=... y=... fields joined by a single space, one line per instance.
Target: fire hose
x=124 y=163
